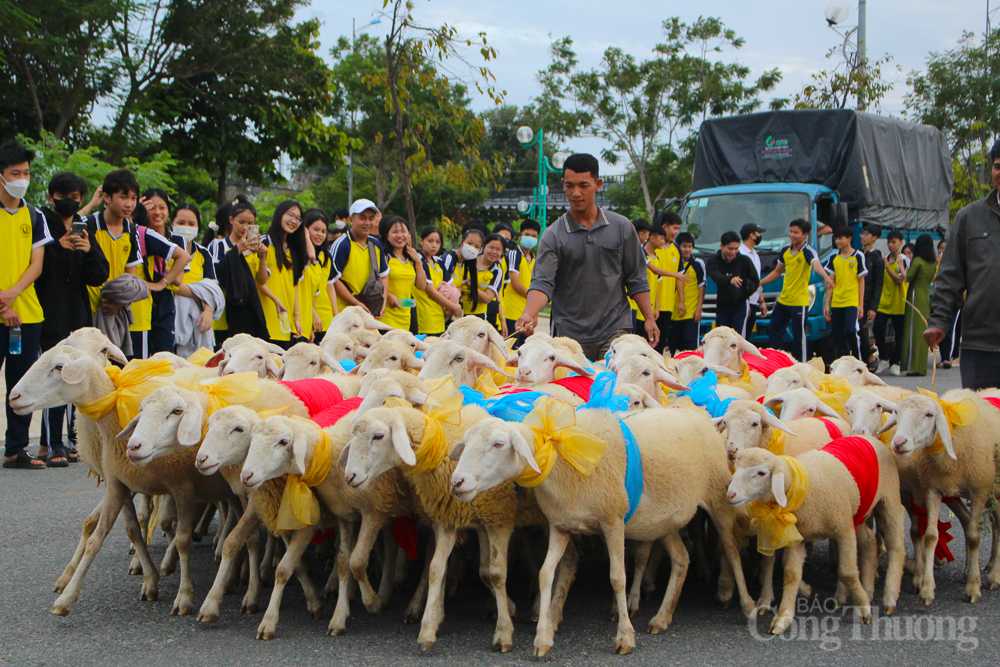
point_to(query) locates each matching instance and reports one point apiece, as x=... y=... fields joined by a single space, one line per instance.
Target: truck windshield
x=708 y=217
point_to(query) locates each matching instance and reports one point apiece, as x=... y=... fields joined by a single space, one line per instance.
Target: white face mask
x=186 y=233
x=469 y=251
x=16 y=189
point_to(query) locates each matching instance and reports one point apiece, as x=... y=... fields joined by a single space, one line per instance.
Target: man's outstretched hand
x=526 y=324
x=934 y=337
x=652 y=332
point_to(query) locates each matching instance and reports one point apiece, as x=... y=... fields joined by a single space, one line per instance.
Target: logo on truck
x=776 y=148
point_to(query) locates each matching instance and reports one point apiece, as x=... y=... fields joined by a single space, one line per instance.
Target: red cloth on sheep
x=995 y=402
x=941 y=550
x=831 y=428
x=334 y=413
x=577 y=384
x=775 y=360
x=404 y=531
x=316 y=394
x=859 y=457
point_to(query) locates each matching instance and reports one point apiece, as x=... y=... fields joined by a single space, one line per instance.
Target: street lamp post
x=539 y=206
x=350 y=153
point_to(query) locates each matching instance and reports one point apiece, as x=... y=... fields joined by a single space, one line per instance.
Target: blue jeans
x=844 y=323
x=15 y=366
x=781 y=317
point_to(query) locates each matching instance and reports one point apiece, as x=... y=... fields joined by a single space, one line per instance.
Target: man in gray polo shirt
x=588 y=262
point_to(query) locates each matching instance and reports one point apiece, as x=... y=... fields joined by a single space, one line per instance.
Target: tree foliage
x=860 y=85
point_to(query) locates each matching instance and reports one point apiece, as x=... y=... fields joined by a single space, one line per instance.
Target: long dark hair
x=308 y=218
x=924 y=248
x=296 y=241
x=385 y=225
x=186 y=206
x=471 y=267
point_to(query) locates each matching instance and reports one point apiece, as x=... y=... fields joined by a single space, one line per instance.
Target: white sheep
x=857 y=373
x=537 y=360
x=831 y=502
x=405 y=336
x=340 y=347
x=957 y=460
x=684 y=467
x=799 y=404
x=722 y=346
x=379 y=385
x=391 y=354
x=353 y=319
x=251 y=356
x=303 y=361
x=479 y=335
x=644 y=373
x=631 y=345
x=363 y=339
x=464 y=365
x=797 y=376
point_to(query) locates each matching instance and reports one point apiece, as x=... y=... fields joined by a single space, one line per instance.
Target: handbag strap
x=372 y=251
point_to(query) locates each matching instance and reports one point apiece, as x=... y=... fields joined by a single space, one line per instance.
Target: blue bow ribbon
x=419 y=354
x=703 y=394
x=348 y=365
x=421 y=336
x=509 y=407
x=602 y=394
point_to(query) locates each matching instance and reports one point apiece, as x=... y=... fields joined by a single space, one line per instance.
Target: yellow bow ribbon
x=444 y=401
x=745 y=381
x=132 y=384
x=962 y=413
x=887 y=434
x=834 y=391
x=443 y=406
x=200 y=356
x=776 y=445
x=234 y=389
x=773 y=524
x=272 y=412
x=299 y=506
x=486 y=384
x=554 y=425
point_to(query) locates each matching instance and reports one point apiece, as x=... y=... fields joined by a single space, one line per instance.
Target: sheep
x=339 y=346
x=281 y=445
x=638 y=399
x=305 y=360
x=684 y=467
x=749 y=424
x=631 y=345
x=479 y=335
x=962 y=464
x=857 y=373
x=831 y=502
x=800 y=403
x=446 y=357
x=65 y=375
x=363 y=339
x=382 y=440
x=644 y=373
x=95 y=343
x=689 y=369
x=392 y=354
x=355 y=318
x=250 y=356
x=722 y=346
x=794 y=377
x=537 y=360
x=405 y=336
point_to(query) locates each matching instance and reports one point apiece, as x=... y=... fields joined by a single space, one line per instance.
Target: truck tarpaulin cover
x=887 y=171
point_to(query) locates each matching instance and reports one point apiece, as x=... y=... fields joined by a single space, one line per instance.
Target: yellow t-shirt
x=654 y=286
x=514 y=303
x=21 y=232
x=430 y=314
x=847 y=272
x=121 y=251
x=218 y=249
x=892 y=300
x=401 y=279
x=324 y=307
x=798 y=269
x=695 y=270
x=281 y=284
x=352 y=266
x=488 y=279
x=669 y=258
x=310 y=285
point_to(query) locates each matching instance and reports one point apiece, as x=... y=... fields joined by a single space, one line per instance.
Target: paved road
x=40 y=526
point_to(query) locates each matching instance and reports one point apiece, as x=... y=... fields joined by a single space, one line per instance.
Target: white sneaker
x=883 y=366
x=894 y=369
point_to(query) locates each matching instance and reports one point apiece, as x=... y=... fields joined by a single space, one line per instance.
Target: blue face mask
x=529 y=242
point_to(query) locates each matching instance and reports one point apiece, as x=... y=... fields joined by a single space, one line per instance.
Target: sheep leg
x=614 y=537
x=249 y=603
x=182 y=541
x=890 y=523
x=205 y=521
x=391 y=549
x=266 y=563
x=847 y=571
x=89 y=524
x=992 y=569
x=933 y=506
x=227 y=522
x=727 y=578
x=565 y=574
x=794 y=558
x=314 y=600
x=402 y=569
x=641 y=560
x=150 y=582
x=444 y=542
x=371 y=526
x=245 y=530
x=143 y=512
x=418 y=601
x=289 y=562
x=696 y=531
x=338 y=624
x=678 y=572
x=115 y=496
x=544 y=632
x=498 y=541
x=973 y=536
x=167 y=515
x=918 y=549
x=724 y=522
x=867 y=558
x=652 y=567
x=766 y=598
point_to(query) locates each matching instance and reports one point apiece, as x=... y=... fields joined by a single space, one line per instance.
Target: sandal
x=57 y=453
x=24 y=461
x=72 y=455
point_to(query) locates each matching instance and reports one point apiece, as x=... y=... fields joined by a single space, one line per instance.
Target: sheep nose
x=228 y=371
x=14 y=397
x=350 y=477
x=732 y=454
x=246 y=478
x=857 y=430
x=731 y=496
x=898 y=441
x=134 y=446
x=202 y=459
x=457 y=483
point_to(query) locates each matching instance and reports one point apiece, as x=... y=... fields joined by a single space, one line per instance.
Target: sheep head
x=391 y=354
x=446 y=357
x=537 y=361
x=795 y=377
x=491 y=452
x=799 y=404
x=380 y=441
x=856 y=372
x=864 y=411
x=340 y=347
x=227 y=440
x=644 y=373
x=169 y=420
x=631 y=345
x=919 y=420
x=477 y=335
x=745 y=425
x=355 y=318
x=303 y=361
x=638 y=398
x=364 y=340
x=251 y=356
x=689 y=369
x=380 y=385
x=722 y=346
x=760 y=475
x=405 y=336
x=62 y=375
x=278 y=446
x=96 y=344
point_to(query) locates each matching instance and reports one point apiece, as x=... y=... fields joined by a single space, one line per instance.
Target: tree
x=641 y=107
x=851 y=79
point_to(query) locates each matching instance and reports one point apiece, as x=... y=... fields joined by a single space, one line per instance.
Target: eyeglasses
x=293 y=217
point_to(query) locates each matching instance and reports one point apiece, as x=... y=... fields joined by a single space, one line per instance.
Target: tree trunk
x=645 y=194
x=220 y=197
x=34 y=96
x=404 y=173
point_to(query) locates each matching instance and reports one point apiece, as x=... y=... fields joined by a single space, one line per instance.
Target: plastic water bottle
x=286 y=326
x=408 y=303
x=15 y=341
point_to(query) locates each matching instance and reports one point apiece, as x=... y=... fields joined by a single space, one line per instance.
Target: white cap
x=362 y=205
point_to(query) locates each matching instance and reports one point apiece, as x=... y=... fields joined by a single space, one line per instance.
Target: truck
x=831 y=167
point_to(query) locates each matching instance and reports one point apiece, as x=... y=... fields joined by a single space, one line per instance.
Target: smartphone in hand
x=79 y=228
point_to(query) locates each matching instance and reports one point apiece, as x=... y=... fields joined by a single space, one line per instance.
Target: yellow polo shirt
x=430 y=314
x=402 y=276
x=121 y=251
x=669 y=258
x=847 y=273
x=21 y=232
x=798 y=268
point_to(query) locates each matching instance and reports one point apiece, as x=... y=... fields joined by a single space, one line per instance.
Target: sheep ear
x=774 y=422
x=372 y=323
x=74 y=371
x=520 y=446
x=775 y=400
x=871 y=378
x=362 y=352
x=778 y=487
x=889 y=423
x=413 y=363
x=497 y=340
x=750 y=348
x=344 y=453
x=272 y=367
x=944 y=432
x=826 y=410
x=114 y=353
x=416 y=397
x=215 y=359
x=482 y=361
x=649 y=402
x=887 y=406
x=401 y=442
x=808 y=384
x=299 y=446
x=456 y=453
x=272 y=348
x=720 y=423
x=566 y=362
x=669 y=380
x=189 y=430
x=222 y=366
x=129 y=428
x=722 y=370
x=329 y=362
x=512 y=362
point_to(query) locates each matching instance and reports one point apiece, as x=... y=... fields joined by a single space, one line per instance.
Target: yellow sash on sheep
x=886 y=435
x=272 y=412
x=200 y=356
x=486 y=384
x=745 y=381
x=299 y=506
x=834 y=391
x=773 y=524
x=554 y=425
x=234 y=389
x=963 y=413
x=443 y=405
x=776 y=445
x=132 y=384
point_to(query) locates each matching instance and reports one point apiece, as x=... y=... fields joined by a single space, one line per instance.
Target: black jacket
x=244 y=313
x=62 y=286
x=875 y=264
x=968 y=278
x=722 y=272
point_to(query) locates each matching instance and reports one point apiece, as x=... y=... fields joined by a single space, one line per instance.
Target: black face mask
x=65 y=207
x=757 y=239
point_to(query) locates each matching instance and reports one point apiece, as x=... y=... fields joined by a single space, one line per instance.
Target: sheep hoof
x=59 y=611
x=992 y=585
x=502 y=646
x=135 y=570
x=624 y=645
x=149 y=595
x=335 y=632
x=427 y=646
x=375 y=607
x=887 y=611
x=250 y=608
x=410 y=617
x=167 y=571
x=208 y=618
x=316 y=613
x=58 y=589
x=926 y=601
x=764 y=609
x=542 y=651
x=265 y=635
x=973 y=598
x=725 y=603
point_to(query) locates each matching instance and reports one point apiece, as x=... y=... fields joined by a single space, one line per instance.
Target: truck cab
x=709 y=212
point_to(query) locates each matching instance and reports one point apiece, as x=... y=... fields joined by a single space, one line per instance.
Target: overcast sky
x=789 y=34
